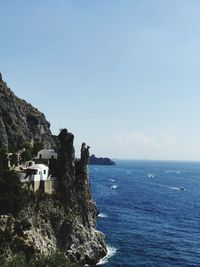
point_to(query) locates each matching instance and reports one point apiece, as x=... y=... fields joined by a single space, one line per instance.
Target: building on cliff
x=37 y=175
x=37 y=172
x=47 y=154
x=44 y=224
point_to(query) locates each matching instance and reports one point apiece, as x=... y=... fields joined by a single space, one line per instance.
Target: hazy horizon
x=122 y=76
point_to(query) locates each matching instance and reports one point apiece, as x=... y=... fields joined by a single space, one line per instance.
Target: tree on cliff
x=37 y=146
x=12 y=195
x=3 y=160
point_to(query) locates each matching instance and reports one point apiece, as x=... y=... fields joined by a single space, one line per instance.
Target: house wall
x=34 y=185
x=43 y=172
x=44 y=176
x=45 y=154
x=49 y=186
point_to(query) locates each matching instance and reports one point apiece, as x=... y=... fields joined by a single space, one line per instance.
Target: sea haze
x=150 y=212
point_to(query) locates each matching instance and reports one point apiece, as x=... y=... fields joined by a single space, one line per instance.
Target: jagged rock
x=20 y=121
x=75 y=185
x=65 y=221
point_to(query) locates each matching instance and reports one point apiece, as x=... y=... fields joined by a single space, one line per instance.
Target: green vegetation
x=27 y=146
x=37 y=146
x=26 y=155
x=13 y=159
x=3 y=160
x=12 y=194
x=57 y=259
x=30 y=150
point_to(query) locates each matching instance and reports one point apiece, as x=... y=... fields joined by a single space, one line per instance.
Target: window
x=44 y=171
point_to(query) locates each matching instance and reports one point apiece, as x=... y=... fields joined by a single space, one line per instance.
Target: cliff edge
x=43 y=224
x=20 y=122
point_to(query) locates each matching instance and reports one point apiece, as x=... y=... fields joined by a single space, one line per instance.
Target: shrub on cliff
x=12 y=194
x=3 y=160
x=30 y=150
x=37 y=146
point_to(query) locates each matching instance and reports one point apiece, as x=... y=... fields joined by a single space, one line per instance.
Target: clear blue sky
x=122 y=75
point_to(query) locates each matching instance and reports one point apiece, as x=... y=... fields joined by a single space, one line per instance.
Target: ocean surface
x=149 y=212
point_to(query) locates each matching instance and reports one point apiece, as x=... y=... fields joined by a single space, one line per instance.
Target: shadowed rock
x=20 y=122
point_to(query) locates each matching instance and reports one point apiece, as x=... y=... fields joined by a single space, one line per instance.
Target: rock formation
x=65 y=221
x=20 y=121
x=100 y=161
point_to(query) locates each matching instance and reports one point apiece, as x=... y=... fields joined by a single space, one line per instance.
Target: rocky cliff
x=64 y=221
x=20 y=122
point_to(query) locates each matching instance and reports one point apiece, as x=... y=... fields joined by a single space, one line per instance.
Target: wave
x=111 y=251
x=114 y=186
x=172 y=187
x=178 y=188
x=112 y=180
x=102 y=215
x=173 y=171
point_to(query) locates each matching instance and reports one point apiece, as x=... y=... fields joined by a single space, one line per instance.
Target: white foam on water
x=175 y=188
x=173 y=171
x=102 y=215
x=111 y=251
x=114 y=186
x=112 y=180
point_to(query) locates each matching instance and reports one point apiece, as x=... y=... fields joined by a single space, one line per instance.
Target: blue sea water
x=147 y=219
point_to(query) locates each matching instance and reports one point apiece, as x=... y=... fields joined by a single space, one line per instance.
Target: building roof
x=47 y=150
x=38 y=167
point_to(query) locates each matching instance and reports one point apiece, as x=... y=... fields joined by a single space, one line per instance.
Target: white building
x=47 y=154
x=37 y=172
x=38 y=178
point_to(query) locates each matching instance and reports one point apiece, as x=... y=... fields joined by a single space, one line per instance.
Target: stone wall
x=48 y=186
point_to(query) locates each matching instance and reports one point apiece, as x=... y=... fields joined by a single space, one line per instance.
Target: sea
x=149 y=212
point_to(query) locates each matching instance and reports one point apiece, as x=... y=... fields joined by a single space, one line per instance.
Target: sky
x=121 y=75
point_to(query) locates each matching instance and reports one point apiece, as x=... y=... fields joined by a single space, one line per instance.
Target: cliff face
x=20 y=121
x=64 y=221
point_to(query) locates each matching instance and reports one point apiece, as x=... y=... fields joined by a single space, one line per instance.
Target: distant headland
x=100 y=161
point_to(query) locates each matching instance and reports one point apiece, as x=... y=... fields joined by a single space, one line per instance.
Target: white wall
x=47 y=154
